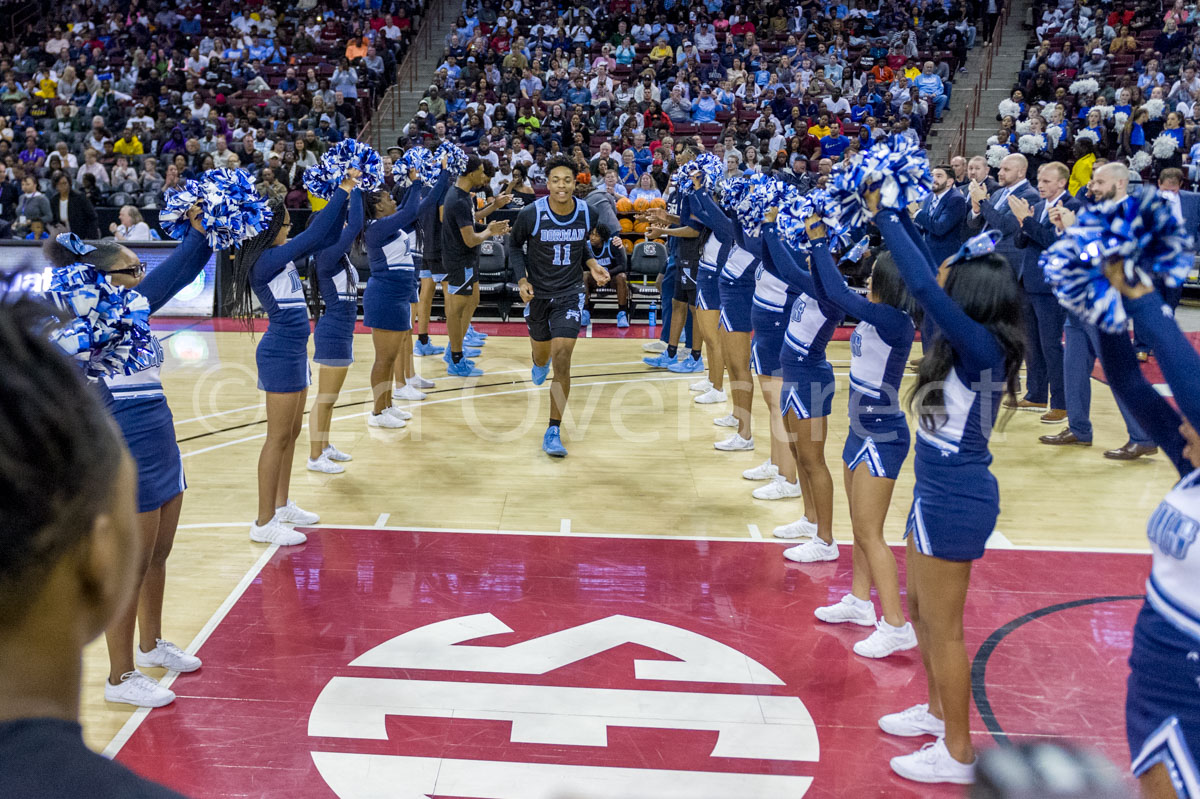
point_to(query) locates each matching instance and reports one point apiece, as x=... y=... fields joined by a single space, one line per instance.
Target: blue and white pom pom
x=707 y=166
x=733 y=190
x=456 y=159
x=1074 y=268
x=798 y=208
x=1141 y=232
x=764 y=193
x=324 y=178
x=231 y=210
x=900 y=174
x=173 y=218
x=109 y=329
x=419 y=159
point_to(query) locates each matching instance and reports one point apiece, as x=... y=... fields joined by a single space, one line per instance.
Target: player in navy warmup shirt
x=333 y=335
x=1162 y=705
x=266 y=266
x=973 y=364
x=877 y=442
x=71 y=553
x=549 y=254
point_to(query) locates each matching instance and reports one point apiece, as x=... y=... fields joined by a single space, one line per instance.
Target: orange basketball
x=639 y=227
x=639 y=205
x=624 y=206
x=629 y=246
x=626 y=225
x=658 y=202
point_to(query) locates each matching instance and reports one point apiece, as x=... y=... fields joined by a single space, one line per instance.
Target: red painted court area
x=483 y=666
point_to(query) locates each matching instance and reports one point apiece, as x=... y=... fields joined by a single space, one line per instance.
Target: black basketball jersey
x=551 y=250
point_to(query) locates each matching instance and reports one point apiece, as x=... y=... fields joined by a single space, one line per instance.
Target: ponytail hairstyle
x=244 y=259
x=314 y=297
x=986 y=289
x=371 y=200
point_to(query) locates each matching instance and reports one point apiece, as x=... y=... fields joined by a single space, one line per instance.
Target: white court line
x=368 y=388
x=382 y=520
x=754 y=531
x=999 y=540
x=564 y=526
x=667 y=536
x=461 y=397
x=126 y=732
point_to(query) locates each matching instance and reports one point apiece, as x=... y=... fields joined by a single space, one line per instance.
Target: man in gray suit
x=991 y=211
x=31 y=205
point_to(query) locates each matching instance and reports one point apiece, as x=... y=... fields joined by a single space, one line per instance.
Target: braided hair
x=243 y=263
x=49 y=503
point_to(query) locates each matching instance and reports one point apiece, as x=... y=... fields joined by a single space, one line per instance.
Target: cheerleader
x=333 y=336
x=877 y=443
x=707 y=315
x=806 y=399
x=735 y=293
x=265 y=267
x=386 y=301
x=962 y=380
x=139 y=406
x=1162 y=705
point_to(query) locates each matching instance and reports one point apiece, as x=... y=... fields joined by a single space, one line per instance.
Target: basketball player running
x=549 y=254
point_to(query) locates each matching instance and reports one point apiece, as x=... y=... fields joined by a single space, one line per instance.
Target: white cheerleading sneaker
x=138 y=690
x=912 y=723
x=398 y=413
x=658 y=345
x=408 y=392
x=764 y=471
x=420 y=383
x=802 y=528
x=849 y=611
x=735 y=443
x=700 y=386
x=726 y=421
x=336 y=455
x=166 y=655
x=276 y=532
x=324 y=465
x=291 y=513
x=710 y=397
x=813 y=551
x=386 y=420
x=887 y=640
x=778 y=488
x=933 y=763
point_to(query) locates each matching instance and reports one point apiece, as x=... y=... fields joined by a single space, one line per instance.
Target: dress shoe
x=1064 y=438
x=1054 y=416
x=1026 y=405
x=1130 y=452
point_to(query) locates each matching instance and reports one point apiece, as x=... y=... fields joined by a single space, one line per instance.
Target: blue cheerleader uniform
x=956 y=499
x=808 y=384
x=1162 y=705
x=879 y=348
x=735 y=281
x=282 y=354
x=769 y=317
x=388 y=296
x=137 y=402
x=333 y=335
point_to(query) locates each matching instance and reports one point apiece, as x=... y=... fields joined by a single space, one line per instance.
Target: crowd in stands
x=786 y=88
x=108 y=104
x=1110 y=81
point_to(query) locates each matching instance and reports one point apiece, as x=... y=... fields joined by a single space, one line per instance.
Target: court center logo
x=748 y=725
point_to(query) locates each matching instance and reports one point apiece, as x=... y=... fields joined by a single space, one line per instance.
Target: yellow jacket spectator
x=47 y=89
x=128 y=144
x=1081 y=173
x=661 y=51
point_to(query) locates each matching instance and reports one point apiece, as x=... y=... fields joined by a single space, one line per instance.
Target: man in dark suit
x=1044 y=316
x=990 y=211
x=978 y=171
x=941 y=216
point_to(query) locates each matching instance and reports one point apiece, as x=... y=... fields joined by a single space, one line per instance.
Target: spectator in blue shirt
x=705 y=107
x=578 y=92
x=931 y=87
x=833 y=145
